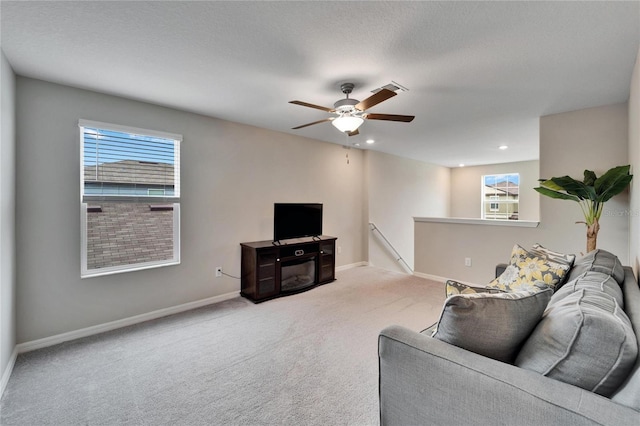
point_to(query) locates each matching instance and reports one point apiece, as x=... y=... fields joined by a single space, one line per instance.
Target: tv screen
x=296 y=220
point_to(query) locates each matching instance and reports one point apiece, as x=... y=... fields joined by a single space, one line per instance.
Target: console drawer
x=298 y=250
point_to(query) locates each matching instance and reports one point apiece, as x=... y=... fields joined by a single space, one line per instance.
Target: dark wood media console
x=271 y=270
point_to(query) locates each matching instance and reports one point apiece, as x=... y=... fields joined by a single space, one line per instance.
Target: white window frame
x=494 y=199
x=174 y=200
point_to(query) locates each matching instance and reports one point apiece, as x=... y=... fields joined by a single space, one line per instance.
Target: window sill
x=131 y=268
x=471 y=221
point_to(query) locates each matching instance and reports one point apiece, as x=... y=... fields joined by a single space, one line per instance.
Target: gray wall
x=594 y=138
x=231 y=176
x=7 y=215
x=399 y=189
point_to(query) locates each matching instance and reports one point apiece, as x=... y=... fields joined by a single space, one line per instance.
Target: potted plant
x=590 y=194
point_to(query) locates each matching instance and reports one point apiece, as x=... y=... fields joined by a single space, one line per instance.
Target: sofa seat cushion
x=530 y=270
x=599 y=261
x=584 y=338
x=491 y=324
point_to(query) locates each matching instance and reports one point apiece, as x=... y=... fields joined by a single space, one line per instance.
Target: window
x=500 y=196
x=130 y=198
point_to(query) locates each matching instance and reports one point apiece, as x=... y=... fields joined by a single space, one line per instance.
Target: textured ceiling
x=479 y=74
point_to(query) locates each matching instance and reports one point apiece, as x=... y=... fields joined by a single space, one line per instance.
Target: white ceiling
x=479 y=74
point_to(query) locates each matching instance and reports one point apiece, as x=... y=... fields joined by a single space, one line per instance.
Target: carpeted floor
x=306 y=359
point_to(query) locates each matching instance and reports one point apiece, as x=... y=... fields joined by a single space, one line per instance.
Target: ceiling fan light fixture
x=347 y=123
x=351 y=113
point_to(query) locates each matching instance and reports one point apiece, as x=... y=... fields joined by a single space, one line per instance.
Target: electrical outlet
x=218 y=271
x=339 y=249
x=467 y=261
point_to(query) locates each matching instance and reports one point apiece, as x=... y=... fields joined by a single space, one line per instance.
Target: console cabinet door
x=268 y=271
x=260 y=273
x=326 y=262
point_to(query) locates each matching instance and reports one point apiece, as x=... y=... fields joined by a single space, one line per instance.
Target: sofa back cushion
x=600 y=261
x=595 y=281
x=584 y=338
x=491 y=324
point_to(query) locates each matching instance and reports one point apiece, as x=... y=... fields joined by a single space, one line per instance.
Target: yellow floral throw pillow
x=530 y=271
x=453 y=287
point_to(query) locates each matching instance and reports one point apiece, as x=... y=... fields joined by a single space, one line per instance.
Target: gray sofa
x=426 y=381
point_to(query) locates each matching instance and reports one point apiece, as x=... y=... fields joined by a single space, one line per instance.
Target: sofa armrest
x=423 y=380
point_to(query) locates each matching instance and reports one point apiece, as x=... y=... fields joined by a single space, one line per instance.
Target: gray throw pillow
x=556 y=256
x=493 y=325
x=584 y=339
x=600 y=261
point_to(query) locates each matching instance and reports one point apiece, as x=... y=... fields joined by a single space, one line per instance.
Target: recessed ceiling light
x=370 y=141
x=503 y=147
x=461 y=164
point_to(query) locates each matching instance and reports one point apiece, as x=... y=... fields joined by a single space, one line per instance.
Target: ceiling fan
x=350 y=113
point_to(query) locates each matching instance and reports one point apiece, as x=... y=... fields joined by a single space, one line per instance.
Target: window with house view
x=500 y=196
x=130 y=198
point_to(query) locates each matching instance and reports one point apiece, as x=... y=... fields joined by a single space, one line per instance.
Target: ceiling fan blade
x=311 y=124
x=355 y=132
x=312 y=106
x=390 y=117
x=375 y=99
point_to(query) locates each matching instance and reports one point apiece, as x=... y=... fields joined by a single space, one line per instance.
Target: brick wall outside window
x=128 y=233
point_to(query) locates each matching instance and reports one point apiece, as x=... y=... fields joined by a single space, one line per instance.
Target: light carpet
x=305 y=359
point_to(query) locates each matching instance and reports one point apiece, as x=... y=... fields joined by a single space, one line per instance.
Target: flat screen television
x=296 y=220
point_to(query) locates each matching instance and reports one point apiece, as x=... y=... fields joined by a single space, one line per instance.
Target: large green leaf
x=612 y=182
x=589 y=178
x=616 y=187
x=548 y=183
x=605 y=181
x=573 y=187
x=556 y=194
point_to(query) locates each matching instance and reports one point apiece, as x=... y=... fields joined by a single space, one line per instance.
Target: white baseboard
x=113 y=325
x=351 y=265
x=8 y=370
x=431 y=277
x=444 y=279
